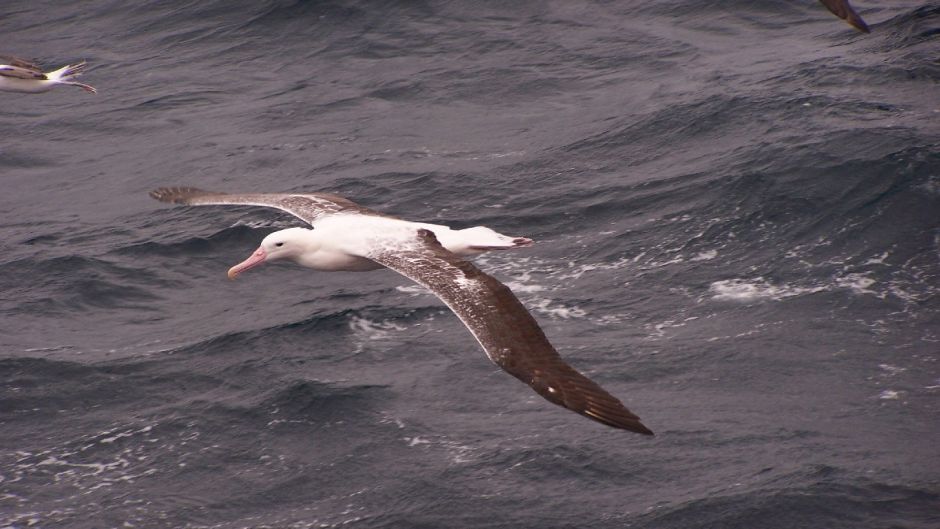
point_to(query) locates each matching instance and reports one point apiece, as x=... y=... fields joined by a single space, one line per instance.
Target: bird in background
x=20 y=75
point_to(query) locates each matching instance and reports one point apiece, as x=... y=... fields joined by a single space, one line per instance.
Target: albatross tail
x=474 y=241
x=483 y=239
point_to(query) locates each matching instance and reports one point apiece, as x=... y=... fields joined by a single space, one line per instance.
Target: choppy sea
x=737 y=213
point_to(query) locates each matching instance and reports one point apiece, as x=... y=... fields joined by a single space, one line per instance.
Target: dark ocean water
x=737 y=211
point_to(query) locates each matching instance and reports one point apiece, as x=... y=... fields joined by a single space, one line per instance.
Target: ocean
x=736 y=209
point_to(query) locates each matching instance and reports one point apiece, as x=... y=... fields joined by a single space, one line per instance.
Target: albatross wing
x=508 y=333
x=843 y=10
x=308 y=207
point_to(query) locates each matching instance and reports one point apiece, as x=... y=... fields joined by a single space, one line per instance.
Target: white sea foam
x=858 y=283
x=889 y=394
x=373 y=330
x=458 y=453
x=740 y=289
x=658 y=330
x=522 y=287
x=754 y=289
x=548 y=307
x=877 y=260
x=576 y=270
x=891 y=370
x=706 y=255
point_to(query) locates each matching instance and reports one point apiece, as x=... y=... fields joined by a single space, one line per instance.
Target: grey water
x=736 y=209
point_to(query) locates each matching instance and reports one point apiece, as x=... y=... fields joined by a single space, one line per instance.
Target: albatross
x=20 y=75
x=347 y=236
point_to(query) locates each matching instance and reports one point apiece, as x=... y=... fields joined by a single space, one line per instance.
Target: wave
x=800 y=500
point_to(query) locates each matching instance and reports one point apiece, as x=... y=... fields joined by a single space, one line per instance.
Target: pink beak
x=256 y=259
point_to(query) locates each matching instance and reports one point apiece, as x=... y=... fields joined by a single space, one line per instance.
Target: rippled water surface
x=737 y=214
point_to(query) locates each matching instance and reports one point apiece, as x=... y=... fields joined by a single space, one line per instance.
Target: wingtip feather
x=624 y=422
x=844 y=10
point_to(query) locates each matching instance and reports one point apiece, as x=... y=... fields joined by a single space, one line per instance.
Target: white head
x=291 y=244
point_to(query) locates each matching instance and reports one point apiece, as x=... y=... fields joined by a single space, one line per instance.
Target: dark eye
x=278 y=244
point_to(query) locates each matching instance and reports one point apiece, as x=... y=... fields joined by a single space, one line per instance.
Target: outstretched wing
x=508 y=333
x=306 y=206
x=11 y=66
x=843 y=10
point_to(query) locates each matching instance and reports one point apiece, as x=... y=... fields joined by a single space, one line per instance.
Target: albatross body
x=339 y=242
x=20 y=75
x=347 y=236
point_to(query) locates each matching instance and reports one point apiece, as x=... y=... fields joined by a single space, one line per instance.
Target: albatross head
x=291 y=244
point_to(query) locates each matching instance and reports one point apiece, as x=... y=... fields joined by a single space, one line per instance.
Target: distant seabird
x=20 y=75
x=347 y=236
x=843 y=10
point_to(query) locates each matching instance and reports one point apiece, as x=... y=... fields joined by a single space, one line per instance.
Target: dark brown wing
x=508 y=333
x=11 y=66
x=843 y=10
x=306 y=206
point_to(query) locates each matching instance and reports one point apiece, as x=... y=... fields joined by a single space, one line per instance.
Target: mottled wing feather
x=306 y=206
x=844 y=10
x=508 y=333
x=19 y=62
x=11 y=66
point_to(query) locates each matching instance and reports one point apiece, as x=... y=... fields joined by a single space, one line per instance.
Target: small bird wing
x=15 y=67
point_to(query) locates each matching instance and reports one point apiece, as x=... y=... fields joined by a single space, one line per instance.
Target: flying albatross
x=843 y=10
x=20 y=75
x=347 y=236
